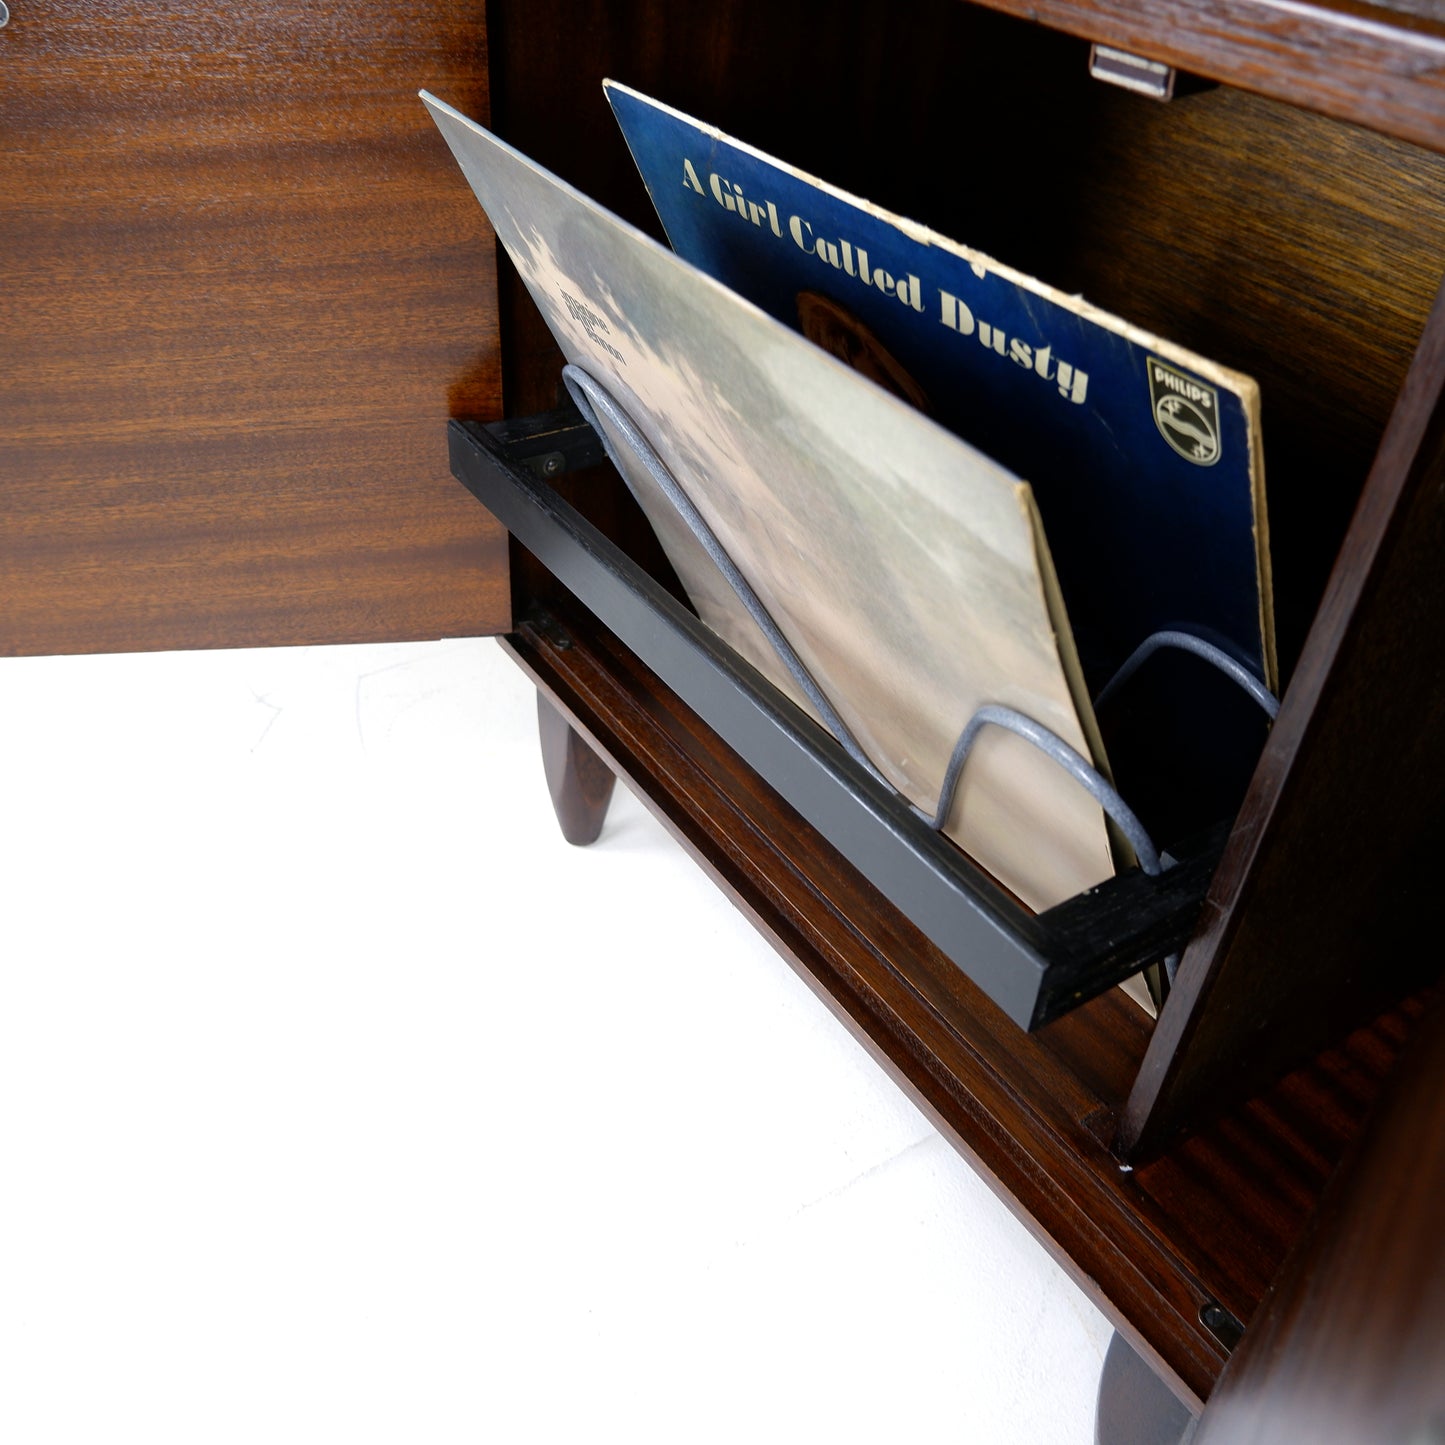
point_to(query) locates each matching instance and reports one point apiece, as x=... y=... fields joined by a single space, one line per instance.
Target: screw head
x=1221 y=1324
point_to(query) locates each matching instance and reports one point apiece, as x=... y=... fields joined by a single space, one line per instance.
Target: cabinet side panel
x=1350 y=1344
x=1324 y=897
x=243 y=288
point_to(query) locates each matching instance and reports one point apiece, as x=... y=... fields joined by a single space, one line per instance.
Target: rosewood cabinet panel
x=239 y=293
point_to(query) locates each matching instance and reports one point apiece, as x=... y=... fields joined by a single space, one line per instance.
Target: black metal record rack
x=1033 y=966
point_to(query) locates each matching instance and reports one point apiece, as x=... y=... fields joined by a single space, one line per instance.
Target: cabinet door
x=241 y=288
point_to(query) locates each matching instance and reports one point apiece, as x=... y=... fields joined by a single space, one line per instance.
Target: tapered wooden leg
x=1135 y=1406
x=579 y=781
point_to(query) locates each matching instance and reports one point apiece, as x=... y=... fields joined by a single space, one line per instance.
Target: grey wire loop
x=591 y=398
x=1216 y=657
x=1054 y=747
x=1081 y=770
x=1188 y=642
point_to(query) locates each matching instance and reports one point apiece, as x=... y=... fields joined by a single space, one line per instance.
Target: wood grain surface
x=1296 y=248
x=1381 y=65
x=241 y=288
x=1207 y=1224
x=1350 y=1344
x=1320 y=909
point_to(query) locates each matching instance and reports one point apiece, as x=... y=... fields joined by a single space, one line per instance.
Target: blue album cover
x=1145 y=458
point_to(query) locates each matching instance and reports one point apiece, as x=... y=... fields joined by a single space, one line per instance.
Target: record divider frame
x=1035 y=967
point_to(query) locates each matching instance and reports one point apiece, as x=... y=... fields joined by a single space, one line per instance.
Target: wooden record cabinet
x=250 y=288
x=1285 y=214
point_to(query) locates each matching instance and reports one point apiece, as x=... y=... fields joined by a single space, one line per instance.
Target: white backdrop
x=341 y=1100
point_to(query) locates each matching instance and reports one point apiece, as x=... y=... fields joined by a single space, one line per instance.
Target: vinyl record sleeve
x=907 y=569
x=1145 y=458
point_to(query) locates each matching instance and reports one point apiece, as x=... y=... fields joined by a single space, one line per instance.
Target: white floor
x=341 y=1100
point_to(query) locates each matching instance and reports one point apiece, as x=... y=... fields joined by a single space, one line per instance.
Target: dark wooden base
x=579 y=781
x=1135 y=1406
x=1159 y=1248
x=1350 y=1343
